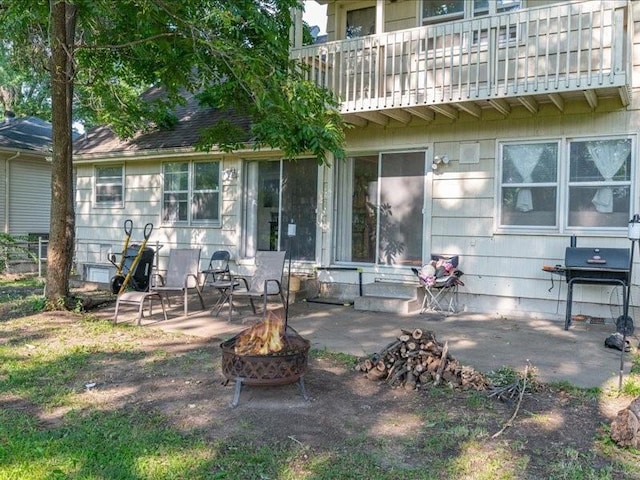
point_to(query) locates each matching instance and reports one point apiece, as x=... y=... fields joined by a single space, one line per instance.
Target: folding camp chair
x=218 y=267
x=440 y=279
x=182 y=275
x=266 y=281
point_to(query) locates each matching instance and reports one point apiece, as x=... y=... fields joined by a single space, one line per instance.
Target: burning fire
x=264 y=337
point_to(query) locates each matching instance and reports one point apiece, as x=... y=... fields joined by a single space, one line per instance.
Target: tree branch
x=126 y=45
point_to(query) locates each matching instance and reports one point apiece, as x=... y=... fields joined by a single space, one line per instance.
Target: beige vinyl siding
x=502 y=269
x=30 y=196
x=399 y=15
x=100 y=230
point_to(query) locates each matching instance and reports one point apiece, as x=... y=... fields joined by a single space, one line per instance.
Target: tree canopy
x=232 y=54
x=101 y=55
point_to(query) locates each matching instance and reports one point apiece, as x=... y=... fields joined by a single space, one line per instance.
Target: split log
x=443 y=359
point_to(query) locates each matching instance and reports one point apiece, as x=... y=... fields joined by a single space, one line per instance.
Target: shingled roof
x=28 y=133
x=191 y=119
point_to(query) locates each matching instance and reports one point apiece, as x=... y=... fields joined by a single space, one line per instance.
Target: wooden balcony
x=552 y=54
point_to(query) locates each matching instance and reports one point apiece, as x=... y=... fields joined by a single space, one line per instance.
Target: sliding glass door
x=380 y=208
x=280 y=194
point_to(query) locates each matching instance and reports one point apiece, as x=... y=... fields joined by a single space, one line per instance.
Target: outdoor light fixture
x=438 y=160
x=634 y=228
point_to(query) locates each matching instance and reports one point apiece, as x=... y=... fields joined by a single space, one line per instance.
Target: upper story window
x=361 y=22
x=437 y=11
x=109 y=186
x=588 y=188
x=191 y=192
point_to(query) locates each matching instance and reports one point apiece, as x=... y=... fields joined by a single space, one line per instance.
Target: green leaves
x=235 y=54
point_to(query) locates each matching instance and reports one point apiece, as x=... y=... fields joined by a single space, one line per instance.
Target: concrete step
x=388 y=297
x=386 y=304
x=390 y=290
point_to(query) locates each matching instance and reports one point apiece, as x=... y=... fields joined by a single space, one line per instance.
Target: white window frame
x=343 y=8
x=190 y=193
x=343 y=193
x=563 y=185
x=467 y=13
x=108 y=184
x=501 y=185
x=602 y=183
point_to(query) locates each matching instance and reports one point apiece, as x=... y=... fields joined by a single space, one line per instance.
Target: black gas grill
x=605 y=266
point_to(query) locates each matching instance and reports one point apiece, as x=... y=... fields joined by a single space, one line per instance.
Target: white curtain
x=608 y=157
x=524 y=159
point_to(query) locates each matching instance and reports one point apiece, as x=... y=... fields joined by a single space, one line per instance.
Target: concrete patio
x=485 y=342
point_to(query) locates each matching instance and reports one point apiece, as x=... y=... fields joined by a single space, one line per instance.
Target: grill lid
x=599 y=265
x=600 y=259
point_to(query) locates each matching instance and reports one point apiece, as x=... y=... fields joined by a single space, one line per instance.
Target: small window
x=176 y=192
x=599 y=183
x=206 y=191
x=109 y=186
x=487 y=7
x=437 y=11
x=361 y=22
x=529 y=187
x=191 y=192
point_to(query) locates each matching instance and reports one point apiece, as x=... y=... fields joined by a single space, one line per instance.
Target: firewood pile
x=417 y=360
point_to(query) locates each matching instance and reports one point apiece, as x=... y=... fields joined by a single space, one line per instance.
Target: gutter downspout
x=6 y=191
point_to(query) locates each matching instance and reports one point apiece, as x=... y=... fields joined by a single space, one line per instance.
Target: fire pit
x=269 y=353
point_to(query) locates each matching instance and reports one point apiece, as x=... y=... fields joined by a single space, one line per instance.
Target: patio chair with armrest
x=182 y=275
x=139 y=288
x=265 y=282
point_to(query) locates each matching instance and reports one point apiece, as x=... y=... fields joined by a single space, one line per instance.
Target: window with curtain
x=566 y=184
x=600 y=183
x=529 y=187
x=109 y=186
x=191 y=192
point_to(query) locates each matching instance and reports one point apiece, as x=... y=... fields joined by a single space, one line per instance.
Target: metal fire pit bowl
x=280 y=368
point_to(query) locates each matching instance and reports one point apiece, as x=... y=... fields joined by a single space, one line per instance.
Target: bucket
x=294 y=283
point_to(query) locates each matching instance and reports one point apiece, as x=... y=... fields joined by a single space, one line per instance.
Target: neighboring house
x=493 y=130
x=25 y=175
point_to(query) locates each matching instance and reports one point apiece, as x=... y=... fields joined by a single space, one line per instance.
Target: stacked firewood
x=417 y=360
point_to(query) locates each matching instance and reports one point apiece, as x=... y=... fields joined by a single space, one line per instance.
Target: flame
x=264 y=337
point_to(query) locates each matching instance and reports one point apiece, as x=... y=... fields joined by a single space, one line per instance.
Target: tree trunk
x=62 y=226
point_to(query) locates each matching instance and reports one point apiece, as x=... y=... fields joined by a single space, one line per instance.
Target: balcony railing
x=579 y=47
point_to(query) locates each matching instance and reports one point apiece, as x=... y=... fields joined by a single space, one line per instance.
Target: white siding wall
x=503 y=271
x=29 y=195
x=100 y=231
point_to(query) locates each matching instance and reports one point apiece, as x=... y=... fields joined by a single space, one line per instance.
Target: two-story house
x=492 y=130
